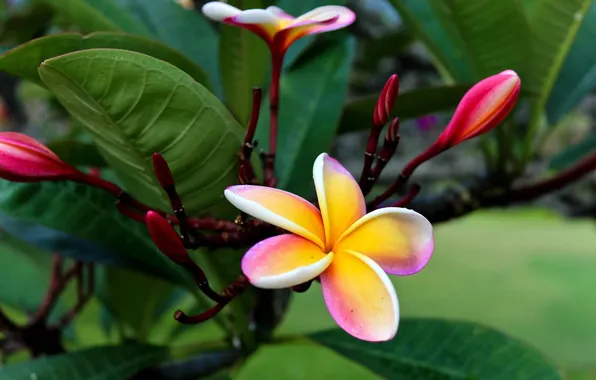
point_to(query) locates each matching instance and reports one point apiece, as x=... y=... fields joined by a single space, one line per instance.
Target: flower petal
x=360 y=297
x=340 y=199
x=319 y=20
x=398 y=239
x=280 y=208
x=342 y=15
x=279 y=12
x=218 y=11
x=284 y=261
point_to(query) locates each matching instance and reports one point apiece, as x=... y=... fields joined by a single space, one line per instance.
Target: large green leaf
x=577 y=77
x=488 y=45
x=311 y=97
x=554 y=24
x=447 y=51
x=25 y=274
x=438 y=349
x=81 y=222
x=22 y=23
x=77 y=153
x=133 y=299
x=358 y=113
x=135 y=105
x=100 y=363
x=119 y=15
x=244 y=60
x=185 y=30
x=25 y=59
x=85 y=16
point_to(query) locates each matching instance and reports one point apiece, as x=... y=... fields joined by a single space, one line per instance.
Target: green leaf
x=439 y=349
x=135 y=105
x=311 y=97
x=24 y=273
x=184 y=30
x=119 y=15
x=82 y=222
x=577 y=77
x=22 y=23
x=77 y=153
x=25 y=59
x=447 y=53
x=244 y=61
x=495 y=34
x=574 y=153
x=100 y=363
x=134 y=299
x=83 y=15
x=554 y=25
x=358 y=113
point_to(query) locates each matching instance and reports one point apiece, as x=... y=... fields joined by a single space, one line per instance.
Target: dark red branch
x=412 y=193
x=190 y=236
x=227 y=295
x=84 y=294
x=246 y=173
x=389 y=147
x=269 y=158
x=559 y=181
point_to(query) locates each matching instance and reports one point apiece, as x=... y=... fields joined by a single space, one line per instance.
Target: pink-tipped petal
x=256 y=16
x=343 y=17
x=279 y=12
x=482 y=108
x=218 y=11
x=284 y=261
x=360 y=297
x=280 y=208
x=398 y=239
x=340 y=198
x=23 y=158
x=319 y=20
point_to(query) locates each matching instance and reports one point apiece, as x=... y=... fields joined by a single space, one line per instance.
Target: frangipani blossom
x=348 y=249
x=278 y=28
x=24 y=159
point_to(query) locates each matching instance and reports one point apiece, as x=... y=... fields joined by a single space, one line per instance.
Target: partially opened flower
x=278 y=28
x=349 y=249
x=24 y=159
x=482 y=108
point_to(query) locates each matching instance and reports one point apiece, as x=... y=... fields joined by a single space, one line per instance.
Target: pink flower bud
x=386 y=101
x=24 y=159
x=483 y=107
x=165 y=237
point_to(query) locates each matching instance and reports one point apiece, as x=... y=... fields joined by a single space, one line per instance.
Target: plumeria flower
x=278 y=28
x=347 y=248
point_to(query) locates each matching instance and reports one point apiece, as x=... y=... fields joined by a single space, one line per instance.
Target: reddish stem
x=389 y=147
x=369 y=155
x=571 y=174
x=246 y=172
x=276 y=68
x=401 y=180
x=412 y=193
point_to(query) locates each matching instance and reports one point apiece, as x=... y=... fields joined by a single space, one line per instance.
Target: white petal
x=217 y=11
